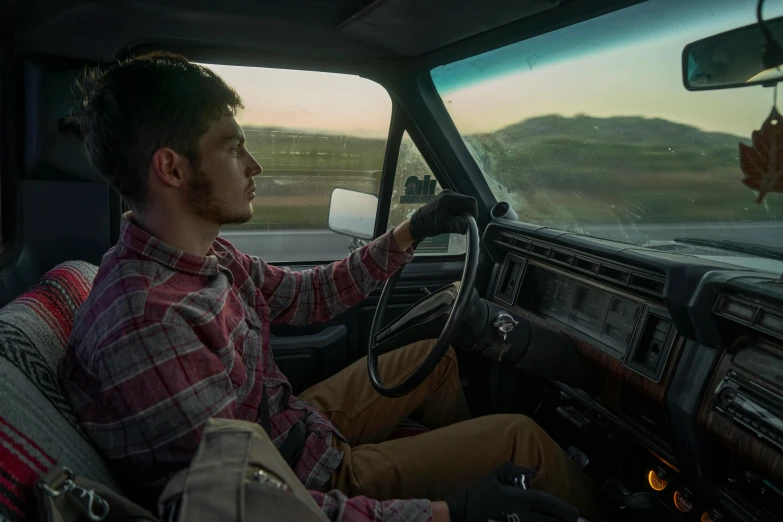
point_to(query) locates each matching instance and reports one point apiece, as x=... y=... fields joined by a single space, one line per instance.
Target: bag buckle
x=96 y=507
x=269 y=479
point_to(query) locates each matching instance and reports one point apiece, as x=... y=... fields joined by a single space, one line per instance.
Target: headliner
x=328 y=34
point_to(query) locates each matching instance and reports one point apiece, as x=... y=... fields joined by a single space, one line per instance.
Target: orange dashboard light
x=706 y=517
x=656 y=482
x=681 y=502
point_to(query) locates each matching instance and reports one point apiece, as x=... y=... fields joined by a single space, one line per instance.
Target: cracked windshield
x=589 y=128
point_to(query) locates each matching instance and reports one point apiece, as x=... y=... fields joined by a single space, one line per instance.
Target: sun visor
x=414 y=27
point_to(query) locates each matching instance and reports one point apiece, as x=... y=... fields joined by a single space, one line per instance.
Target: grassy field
x=567 y=172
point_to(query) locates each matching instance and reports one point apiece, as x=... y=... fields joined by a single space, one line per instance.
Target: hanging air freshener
x=762 y=163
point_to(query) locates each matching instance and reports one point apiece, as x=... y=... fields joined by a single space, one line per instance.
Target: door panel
x=306 y=359
x=310 y=354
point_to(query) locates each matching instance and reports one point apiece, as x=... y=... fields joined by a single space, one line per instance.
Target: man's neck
x=190 y=234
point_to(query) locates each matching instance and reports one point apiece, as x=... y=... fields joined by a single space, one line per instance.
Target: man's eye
x=233 y=150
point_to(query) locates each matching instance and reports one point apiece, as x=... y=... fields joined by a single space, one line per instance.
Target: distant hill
x=619 y=129
x=558 y=147
x=622 y=170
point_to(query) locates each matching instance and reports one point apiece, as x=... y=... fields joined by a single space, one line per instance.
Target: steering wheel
x=458 y=312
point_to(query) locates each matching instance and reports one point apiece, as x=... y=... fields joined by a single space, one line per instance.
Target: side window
x=312 y=132
x=415 y=185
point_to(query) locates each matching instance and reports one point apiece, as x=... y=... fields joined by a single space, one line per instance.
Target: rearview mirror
x=353 y=213
x=732 y=59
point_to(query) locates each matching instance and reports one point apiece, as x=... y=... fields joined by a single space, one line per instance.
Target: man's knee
x=421 y=349
x=527 y=431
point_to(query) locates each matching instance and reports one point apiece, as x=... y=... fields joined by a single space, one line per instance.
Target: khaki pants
x=458 y=452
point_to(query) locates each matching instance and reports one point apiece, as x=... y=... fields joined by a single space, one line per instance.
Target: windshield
x=589 y=128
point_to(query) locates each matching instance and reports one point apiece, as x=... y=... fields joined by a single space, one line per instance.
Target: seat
x=37 y=427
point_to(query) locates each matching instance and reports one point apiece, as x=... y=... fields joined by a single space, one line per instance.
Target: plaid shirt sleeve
x=340 y=508
x=158 y=387
x=318 y=294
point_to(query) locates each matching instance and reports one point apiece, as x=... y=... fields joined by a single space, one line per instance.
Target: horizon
x=540 y=116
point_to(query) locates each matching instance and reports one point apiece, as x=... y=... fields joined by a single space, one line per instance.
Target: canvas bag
x=237 y=475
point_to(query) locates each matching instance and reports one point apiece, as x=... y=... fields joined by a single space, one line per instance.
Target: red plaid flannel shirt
x=168 y=339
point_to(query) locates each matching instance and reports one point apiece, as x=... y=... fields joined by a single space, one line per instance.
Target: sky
x=623 y=64
x=335 y=103
x=626 y=63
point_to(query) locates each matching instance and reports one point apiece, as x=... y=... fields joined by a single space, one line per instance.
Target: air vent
x=615 y=274
x=564 y=258
x=737 y=310
x=539 y=250
x=771 y=322
x=512 y=271
x=506 y=240
x=647 y=283
x=522 y=245
x=652 y=342
x=586 y=265
x=652 y=346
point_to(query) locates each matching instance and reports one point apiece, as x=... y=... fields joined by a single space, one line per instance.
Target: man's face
x=221 y=188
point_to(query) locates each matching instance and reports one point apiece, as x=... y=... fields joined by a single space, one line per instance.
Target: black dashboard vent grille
x=615 y=274
x=736 y=309
x=540 y=250
x=649 y=284
x=586 y=265
x=521 y=245
x=652 y=343
x=512 y=273
x=564 y=258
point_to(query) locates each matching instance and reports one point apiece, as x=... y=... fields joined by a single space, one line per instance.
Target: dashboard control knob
x=726 y=396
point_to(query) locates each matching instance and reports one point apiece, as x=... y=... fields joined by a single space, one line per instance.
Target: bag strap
x=214 y=488
x=293 y=446
x=266 y=421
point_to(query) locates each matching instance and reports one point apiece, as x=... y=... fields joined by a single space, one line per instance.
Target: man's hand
x=440 y=512
x=443 y=215
x=493 y=498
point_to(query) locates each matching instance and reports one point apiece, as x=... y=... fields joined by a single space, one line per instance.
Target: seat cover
x=37 y=427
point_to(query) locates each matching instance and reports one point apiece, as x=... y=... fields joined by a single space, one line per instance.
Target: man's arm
x=323 y=292
x=153 y=386
x=339 y=508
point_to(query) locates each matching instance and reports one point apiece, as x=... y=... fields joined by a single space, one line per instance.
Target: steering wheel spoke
x=456 y=315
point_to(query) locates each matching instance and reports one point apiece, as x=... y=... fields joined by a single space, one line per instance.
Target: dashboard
x=690 y=352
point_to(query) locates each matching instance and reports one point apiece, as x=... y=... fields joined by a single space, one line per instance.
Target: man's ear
x=169 y=168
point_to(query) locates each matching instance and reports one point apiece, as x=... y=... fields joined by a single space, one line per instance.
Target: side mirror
x=353 y=213
x=736 y=58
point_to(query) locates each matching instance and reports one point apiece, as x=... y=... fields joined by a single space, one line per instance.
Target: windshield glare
x=589 y=128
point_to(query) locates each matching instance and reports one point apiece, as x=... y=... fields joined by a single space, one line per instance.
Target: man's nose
x=253 y=168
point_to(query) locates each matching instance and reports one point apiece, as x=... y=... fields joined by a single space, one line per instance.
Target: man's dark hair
x=137 y=106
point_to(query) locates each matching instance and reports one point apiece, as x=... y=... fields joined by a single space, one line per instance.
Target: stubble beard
x=201 y=198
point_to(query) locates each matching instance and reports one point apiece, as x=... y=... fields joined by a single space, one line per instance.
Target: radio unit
x=751 y=406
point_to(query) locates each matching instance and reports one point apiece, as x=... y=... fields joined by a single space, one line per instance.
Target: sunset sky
x=625 y=63
x=337 y=103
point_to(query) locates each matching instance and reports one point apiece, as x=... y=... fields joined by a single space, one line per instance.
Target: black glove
x=494 y=498
x=443 y=215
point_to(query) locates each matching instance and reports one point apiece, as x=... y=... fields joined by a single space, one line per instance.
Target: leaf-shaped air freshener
x=762 y=163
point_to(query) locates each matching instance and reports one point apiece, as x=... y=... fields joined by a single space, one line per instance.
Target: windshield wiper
x=734 y=246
